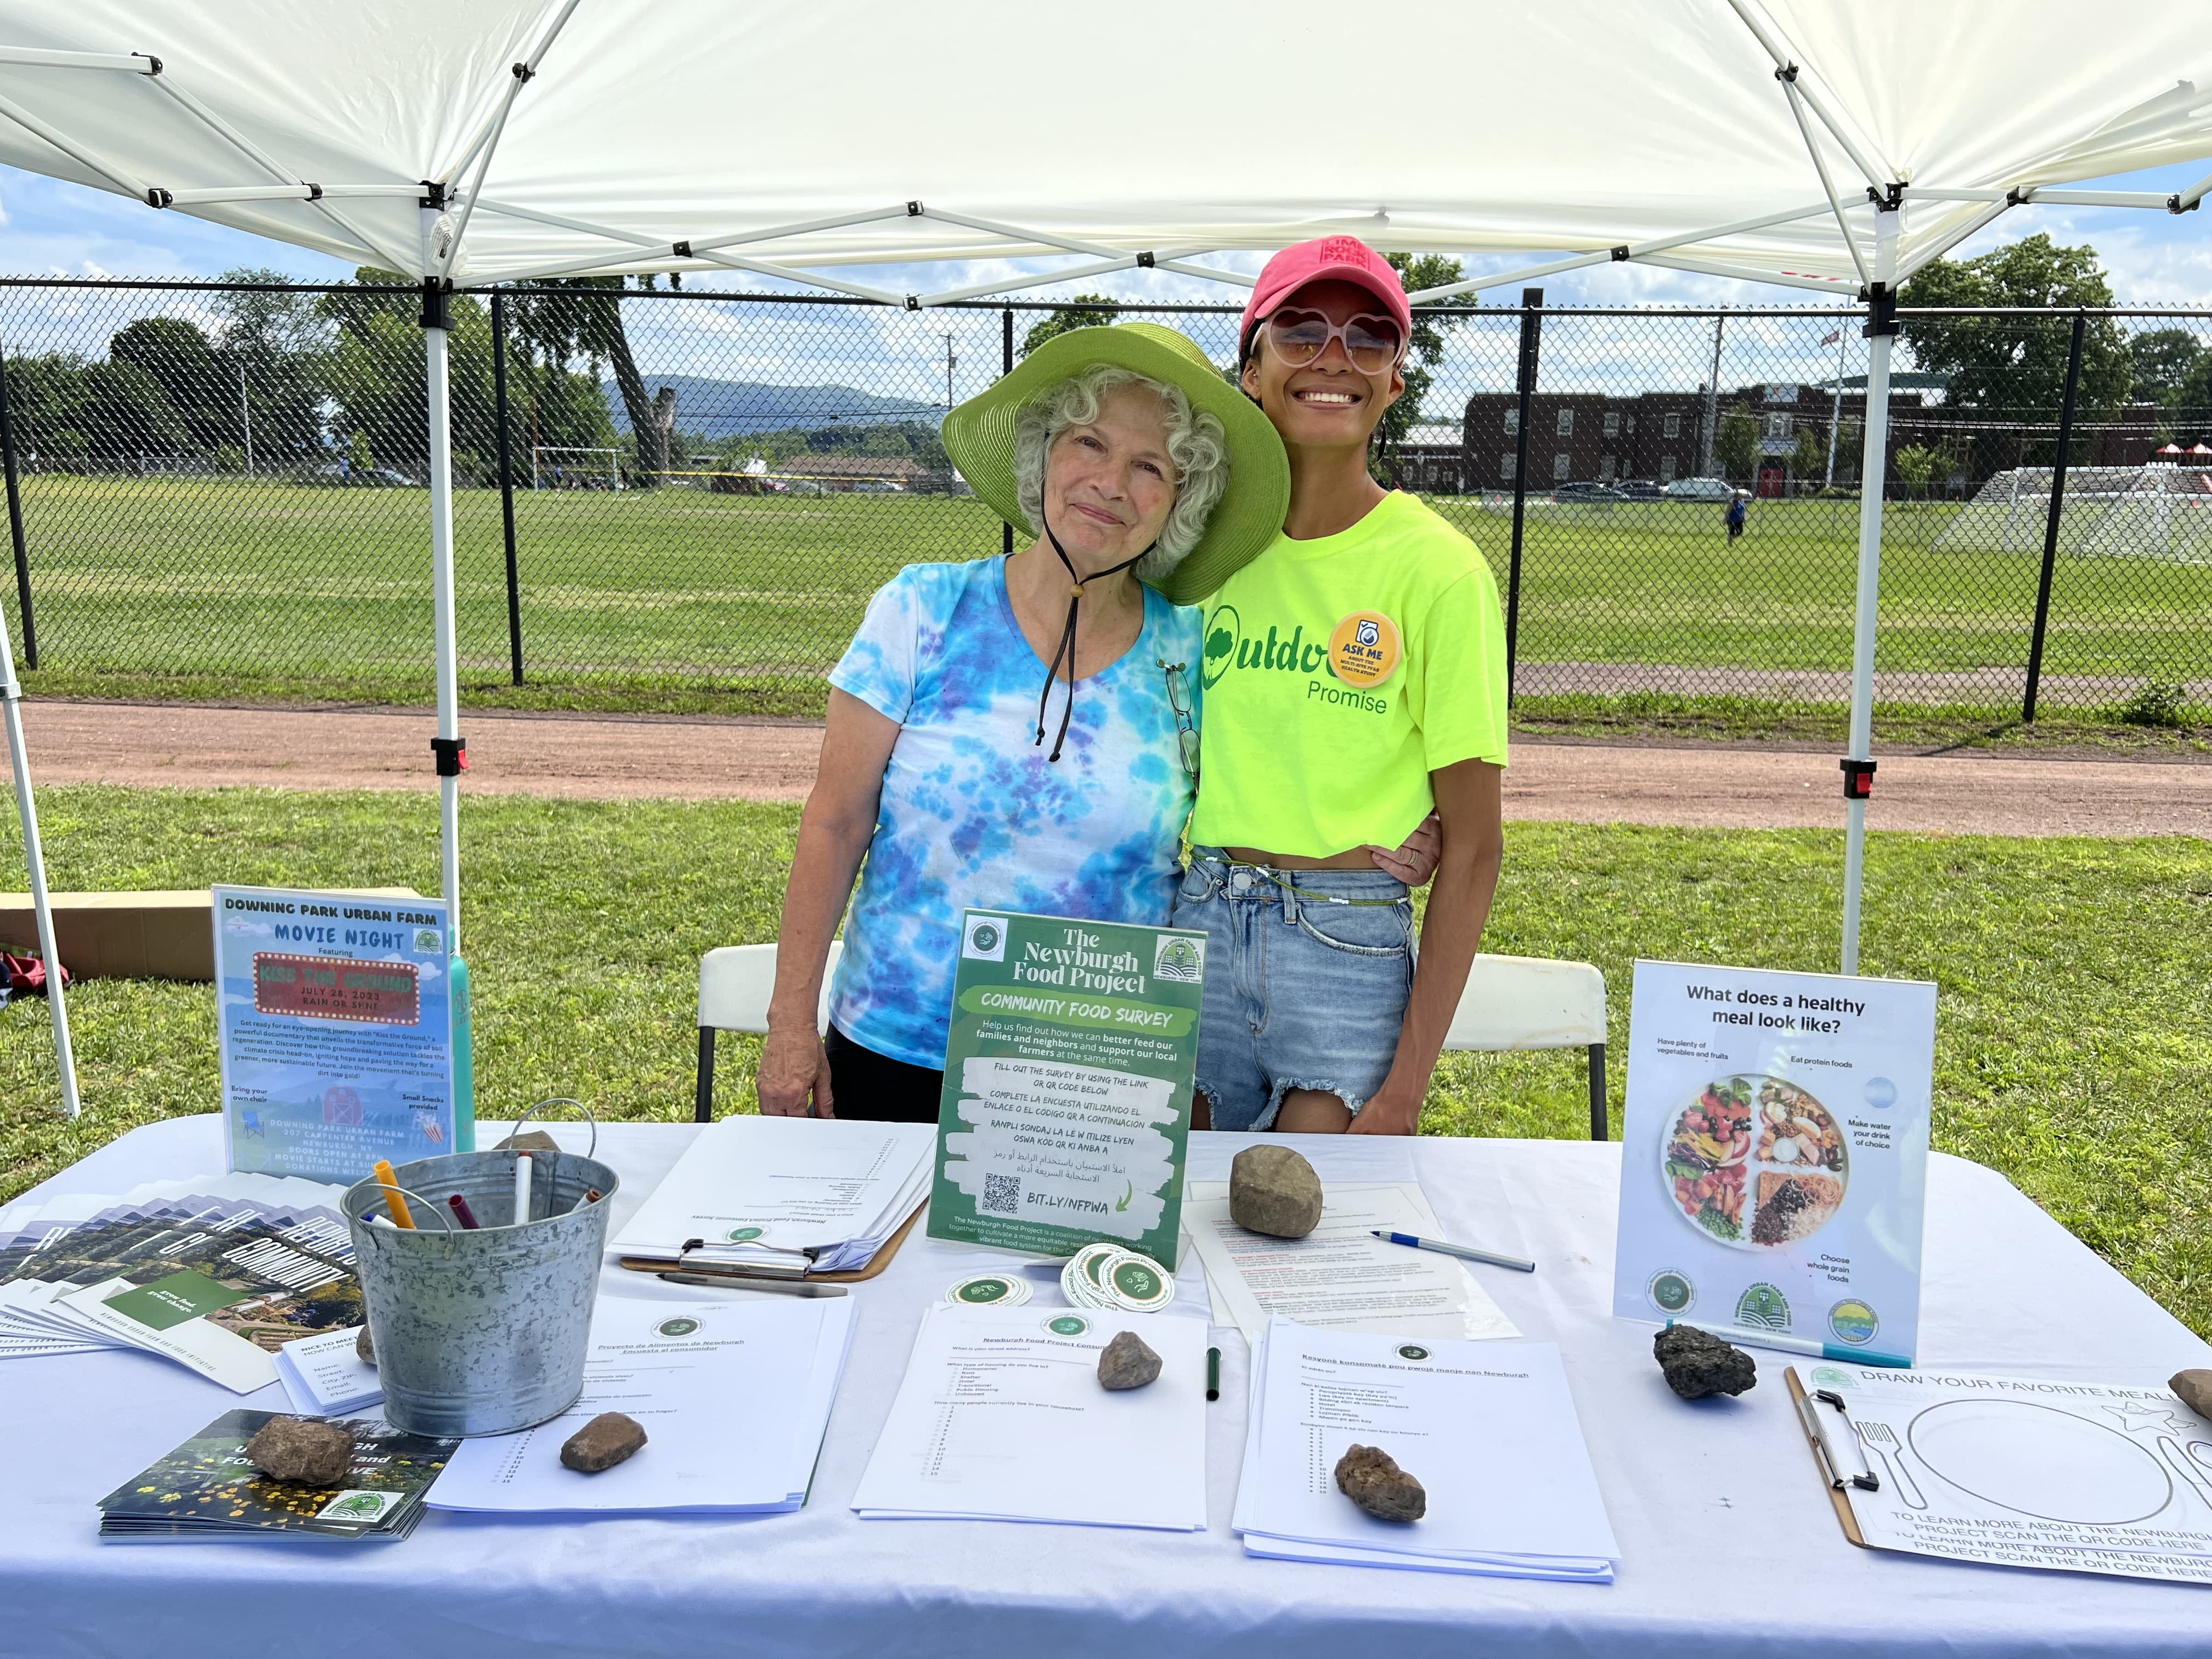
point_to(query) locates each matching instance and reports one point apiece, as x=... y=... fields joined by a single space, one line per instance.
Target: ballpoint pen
x=1467 y=1250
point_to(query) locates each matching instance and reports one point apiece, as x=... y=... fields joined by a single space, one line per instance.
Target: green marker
x=1214 y=1373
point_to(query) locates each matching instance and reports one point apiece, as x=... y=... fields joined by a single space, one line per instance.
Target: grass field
x=216 y=587
x=2073 y=1046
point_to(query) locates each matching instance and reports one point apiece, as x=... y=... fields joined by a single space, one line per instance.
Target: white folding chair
x=1514 y=1003
x=735 y=982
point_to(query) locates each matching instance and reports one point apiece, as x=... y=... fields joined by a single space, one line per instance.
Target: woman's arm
x=1470 y=813
x=832 y=836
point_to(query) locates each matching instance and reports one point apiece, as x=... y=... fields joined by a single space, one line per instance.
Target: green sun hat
x=979 y=436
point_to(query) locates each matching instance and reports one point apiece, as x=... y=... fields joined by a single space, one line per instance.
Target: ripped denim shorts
x=1307 y=973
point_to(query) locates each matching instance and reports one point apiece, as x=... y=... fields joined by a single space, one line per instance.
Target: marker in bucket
x=460 y=1208
x=388 y=1178
x=521 y=1188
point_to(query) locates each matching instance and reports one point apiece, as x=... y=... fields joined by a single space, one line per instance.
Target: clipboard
x=1845 y=1517
x=638 y=1264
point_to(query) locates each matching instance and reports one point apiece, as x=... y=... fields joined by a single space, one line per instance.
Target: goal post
x=554 y=466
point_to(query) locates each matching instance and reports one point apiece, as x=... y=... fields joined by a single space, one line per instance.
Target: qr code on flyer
x=1002 y=1195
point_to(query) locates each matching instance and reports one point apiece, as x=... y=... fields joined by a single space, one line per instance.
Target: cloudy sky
x=51 y=229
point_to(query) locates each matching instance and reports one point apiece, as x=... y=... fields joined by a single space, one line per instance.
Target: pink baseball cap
x=1329 y=259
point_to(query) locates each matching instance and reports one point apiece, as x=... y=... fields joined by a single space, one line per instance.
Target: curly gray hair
x=1196 y=444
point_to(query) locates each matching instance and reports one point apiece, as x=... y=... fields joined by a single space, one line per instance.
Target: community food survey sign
x=1067 y=1084
x=337 y=1030
x=1774 y=1165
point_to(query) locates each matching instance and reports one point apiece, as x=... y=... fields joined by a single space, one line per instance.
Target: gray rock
x=2195 y=1389
x=1273 y=1190
x=1370 y=1478
x=608 y=1439
x=1127 y=1362
x=1697 y=1363
x=364 y=1346
x=529 y=1140
x=303 y=1451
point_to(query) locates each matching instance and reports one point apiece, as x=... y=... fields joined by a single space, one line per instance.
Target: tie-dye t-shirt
x=973 y=814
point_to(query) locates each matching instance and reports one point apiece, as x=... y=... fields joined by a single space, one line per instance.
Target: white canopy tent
x=1834 y=145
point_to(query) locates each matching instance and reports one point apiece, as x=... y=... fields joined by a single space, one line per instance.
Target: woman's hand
x=1416 y=861
x=794 y=1074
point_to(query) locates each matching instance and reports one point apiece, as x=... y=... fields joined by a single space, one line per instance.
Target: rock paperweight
x=1370 y=1478
x=529 y=1140
x=362 y=1347
x=2195 y=1389
x=1273 y=1190
x=608 y=1439
x=1127 y=1362
x=1697 y=1363
x=303 y=1451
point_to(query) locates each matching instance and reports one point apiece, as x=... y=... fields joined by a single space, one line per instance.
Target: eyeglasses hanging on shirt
x=1177 y=676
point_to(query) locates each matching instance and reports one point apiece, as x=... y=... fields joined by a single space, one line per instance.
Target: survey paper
x=734 y=1398
x=790 y=1191
x=1000 y=1417
x=1340 y=1276
x=2028 y=1472
x=1489 y=1430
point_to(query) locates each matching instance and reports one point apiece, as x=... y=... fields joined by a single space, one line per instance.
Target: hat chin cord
x=1067 y=635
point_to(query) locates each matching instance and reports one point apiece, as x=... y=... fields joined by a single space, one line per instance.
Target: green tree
x=584 y=321
x=2189 y=407
x=1915 y=464
x=1809 y=459
x=1424 y=350
x=280 y=340
x=1083 y=311
x=178 y=358
x=128 y=414
x=2013 y=363
x=377 y=373
x=48 y=405
x=1735 y=443
x=2161 y=360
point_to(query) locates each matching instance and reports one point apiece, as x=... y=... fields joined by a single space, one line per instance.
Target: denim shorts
x=1307 y=973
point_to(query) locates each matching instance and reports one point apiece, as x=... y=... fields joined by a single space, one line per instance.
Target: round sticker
x=1412 y=1350
x=745 y=1234
x=1853 y=1321
x=1365 y=648
x=983 y=1289
x=1671 y=1293
x=676 y=1326
x=1067 y=1325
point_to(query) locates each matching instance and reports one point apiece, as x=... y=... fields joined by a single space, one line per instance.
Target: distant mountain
x=729 y=409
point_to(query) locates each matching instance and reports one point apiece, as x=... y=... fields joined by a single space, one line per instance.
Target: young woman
x=1354 y=678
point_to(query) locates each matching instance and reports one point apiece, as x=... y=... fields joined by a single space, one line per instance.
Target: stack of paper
x=788 y=1193
x=206 y=1489
x=1001 y=1417
x=326 y=1376
x=214 y=1271
x=1487 y=1428
x=734 y=1399
x=1340 y=1276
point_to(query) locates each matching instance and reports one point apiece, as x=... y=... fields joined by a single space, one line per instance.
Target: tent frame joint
x=913 y=210
x=524 y=72
x=2174 y=203
x=158 y=197
x=1882 y=310
x=438 y=302
x=1787 y=73
x=451 y=755
x=434 y=193
x=1144 y=260
x=153 y=63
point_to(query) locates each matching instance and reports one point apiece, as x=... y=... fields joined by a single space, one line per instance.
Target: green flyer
x=1067 y=1084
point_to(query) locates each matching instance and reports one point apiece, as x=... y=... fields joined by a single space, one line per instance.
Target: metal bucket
x=482 y=1331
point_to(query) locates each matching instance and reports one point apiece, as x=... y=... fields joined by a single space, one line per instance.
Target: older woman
x=1144 y=480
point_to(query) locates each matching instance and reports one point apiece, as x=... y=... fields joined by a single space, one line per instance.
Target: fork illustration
x=1886 y=1444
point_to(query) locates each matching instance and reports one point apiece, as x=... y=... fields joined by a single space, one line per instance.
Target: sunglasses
x=1372 y=344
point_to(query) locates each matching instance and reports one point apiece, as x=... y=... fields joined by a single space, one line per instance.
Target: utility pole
x=1836 y=405
x=246 y=418
x=949 y=359
x=1712 y=401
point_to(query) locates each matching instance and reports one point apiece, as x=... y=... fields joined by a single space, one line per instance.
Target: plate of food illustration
x=1756 y=1162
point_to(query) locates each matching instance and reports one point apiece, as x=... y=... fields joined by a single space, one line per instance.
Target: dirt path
x=698 y=759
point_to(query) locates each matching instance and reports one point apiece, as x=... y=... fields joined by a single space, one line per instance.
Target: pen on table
x=1214 y=1373
x=1806 y=1345
x=388 y=1178
x=1467 y=1250
x=521 y=1187
x=735 y=1282
x=461 y=1207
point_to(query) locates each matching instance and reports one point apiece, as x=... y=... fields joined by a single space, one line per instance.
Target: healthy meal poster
x=336 y=1030
x=1067 y=1084
x=1774 y=1169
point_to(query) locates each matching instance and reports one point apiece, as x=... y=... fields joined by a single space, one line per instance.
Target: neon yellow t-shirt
x=1341 y=672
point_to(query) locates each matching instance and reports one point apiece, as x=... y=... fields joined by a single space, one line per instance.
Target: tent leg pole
x=449 y=749
x=1873 y=473
x=11 y=696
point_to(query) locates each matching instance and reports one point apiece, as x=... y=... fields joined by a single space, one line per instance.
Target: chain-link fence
x=220 y=490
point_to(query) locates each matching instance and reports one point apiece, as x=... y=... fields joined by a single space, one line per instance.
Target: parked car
x=1639 y=489
x=1698 y=490
x=1587 y=492
x=877 y=487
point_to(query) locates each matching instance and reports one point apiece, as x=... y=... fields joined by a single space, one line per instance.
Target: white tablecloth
x=1728 y=1543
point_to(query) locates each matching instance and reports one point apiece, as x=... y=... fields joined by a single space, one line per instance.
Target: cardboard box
x=164 y=935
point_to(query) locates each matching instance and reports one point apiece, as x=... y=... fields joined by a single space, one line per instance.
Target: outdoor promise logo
x=985 y=940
